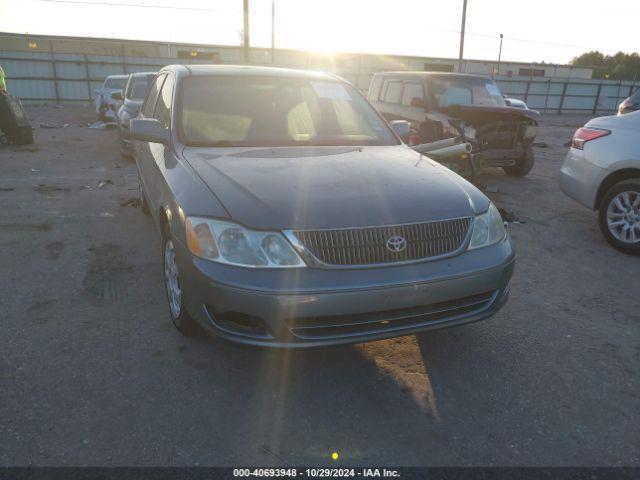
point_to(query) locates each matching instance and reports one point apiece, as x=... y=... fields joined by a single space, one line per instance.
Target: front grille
x=368 y=246
x=391 y=320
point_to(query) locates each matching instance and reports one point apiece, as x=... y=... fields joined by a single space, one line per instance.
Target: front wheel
x=523 y=165
x=619 y=216
x=173 y=286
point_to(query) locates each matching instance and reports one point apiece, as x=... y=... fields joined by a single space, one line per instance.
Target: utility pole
x=273 y=31
x=499 y=55
x=245 y=31
x=464 y=16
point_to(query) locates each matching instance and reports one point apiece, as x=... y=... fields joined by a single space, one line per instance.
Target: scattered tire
x=523 y=165
x=619 y=216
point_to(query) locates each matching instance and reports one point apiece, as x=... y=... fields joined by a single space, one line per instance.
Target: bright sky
x=534 y=30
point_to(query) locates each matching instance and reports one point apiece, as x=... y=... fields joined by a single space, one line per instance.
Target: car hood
x=332 y=187
x=486 y=114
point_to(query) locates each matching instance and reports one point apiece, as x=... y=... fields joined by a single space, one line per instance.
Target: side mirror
x=402 y=129
x=507 y=102
x=117 y=95
x=149 y=130
x=418 y=102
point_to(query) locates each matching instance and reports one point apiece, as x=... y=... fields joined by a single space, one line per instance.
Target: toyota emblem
x=396 y=243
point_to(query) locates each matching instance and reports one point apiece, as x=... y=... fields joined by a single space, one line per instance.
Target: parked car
x=630 y=104
x=602 y=172
x=291 y=214
x=445 y=105
x=106 y=106
x=132 y=96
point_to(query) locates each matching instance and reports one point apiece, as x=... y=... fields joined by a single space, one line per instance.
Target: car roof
x=142 y=74
x=434 y=74
x=249 y=70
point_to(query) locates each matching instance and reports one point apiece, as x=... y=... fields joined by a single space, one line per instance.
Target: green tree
x=621 y=66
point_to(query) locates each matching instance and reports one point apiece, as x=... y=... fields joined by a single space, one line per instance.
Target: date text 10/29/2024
x=316 y=472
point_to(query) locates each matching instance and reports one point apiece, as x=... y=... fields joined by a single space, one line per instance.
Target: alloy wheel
x=172 y=280
x=623 y=217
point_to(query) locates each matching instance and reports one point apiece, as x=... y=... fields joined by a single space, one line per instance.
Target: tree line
x=621 y=66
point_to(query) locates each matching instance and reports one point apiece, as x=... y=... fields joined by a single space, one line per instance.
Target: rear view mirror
x=418 y=102
x=117 y=95
x=402 y=129
x=149 y=130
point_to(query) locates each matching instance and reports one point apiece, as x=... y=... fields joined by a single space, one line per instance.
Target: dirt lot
x=93 y=373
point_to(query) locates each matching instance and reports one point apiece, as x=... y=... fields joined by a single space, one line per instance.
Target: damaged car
x=133 y=96
x=109 y=96
x=292 y=215
x=470 y=107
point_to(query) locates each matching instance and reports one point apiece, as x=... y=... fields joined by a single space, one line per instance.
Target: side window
x=163 y=107
x=152 y=96
x=374 y=90
x=394 y=90
x=412 y=95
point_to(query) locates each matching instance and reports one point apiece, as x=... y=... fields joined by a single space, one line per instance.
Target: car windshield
x=115 y=83
x=228 y=110
x=138 y=86
x=448 y=91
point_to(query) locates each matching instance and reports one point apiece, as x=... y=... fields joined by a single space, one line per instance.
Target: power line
x=142 y=5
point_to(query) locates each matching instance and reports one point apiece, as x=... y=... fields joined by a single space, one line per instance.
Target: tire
x=144 y=204
x=175 y=296
x=626 y=240
x=523 y=165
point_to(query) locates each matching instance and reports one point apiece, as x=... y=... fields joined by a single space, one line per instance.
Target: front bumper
x=313 y=307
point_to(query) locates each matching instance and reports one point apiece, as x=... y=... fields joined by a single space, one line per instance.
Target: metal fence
x=51 y=77
x=566 y=95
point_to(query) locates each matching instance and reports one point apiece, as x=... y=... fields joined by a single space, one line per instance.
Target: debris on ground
x=131 y=202
x=105 y=182
x=540 y=144
x=44 y=188
x=35 y=170
x=107 y=215
x=100 y=125
x=54 y=125
x=509 y=217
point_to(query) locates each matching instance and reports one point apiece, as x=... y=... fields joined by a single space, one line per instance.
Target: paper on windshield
x=331 y=91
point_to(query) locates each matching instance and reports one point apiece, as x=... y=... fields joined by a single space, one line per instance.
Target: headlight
x=530 y=132
x=232 y=244
x=488 y=229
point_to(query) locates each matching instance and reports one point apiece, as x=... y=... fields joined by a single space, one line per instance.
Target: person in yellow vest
x=3 y=82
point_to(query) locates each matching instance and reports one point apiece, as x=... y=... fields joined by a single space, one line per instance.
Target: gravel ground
x=93 y=373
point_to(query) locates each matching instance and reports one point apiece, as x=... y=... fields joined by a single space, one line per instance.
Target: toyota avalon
x=292 y=214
